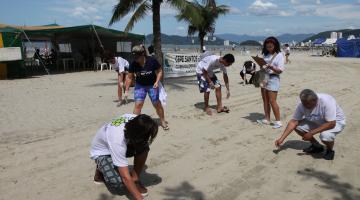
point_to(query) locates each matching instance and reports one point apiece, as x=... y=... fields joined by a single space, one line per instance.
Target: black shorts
x=288 y=54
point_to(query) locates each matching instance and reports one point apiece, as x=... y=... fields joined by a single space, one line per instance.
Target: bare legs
x=158 y=107
x=275 y=107
x=218 y=95
x=269 y=101
x=266 y=103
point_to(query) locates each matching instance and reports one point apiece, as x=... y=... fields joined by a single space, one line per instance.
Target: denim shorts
x=141 y=91
x=273 y=83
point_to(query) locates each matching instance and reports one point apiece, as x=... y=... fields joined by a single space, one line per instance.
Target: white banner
x=10 y=54
x=178 y=65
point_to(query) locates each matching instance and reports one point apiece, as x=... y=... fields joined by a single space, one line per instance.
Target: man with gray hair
x=317 y=113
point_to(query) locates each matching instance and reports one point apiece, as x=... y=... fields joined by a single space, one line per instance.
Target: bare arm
x=274 y=69
x=129 y=79
x=226 y=80
x=207 y=78
x=289 y=128
x=129 y=183
x=323 y=127
x=159 y=75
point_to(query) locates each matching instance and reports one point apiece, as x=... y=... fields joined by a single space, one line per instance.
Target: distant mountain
x=282 y=38
x=184 y=40
x=250 y=43
x=326 y=34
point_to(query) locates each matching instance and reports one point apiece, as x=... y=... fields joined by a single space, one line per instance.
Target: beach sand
x=48 y=122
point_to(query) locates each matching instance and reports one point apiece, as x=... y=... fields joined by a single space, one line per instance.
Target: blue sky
x=253 y=17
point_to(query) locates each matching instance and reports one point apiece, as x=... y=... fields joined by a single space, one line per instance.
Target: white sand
x=47 y=124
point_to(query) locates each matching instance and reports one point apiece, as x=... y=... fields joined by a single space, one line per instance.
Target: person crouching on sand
x=126 y=136
x=207 y=79
x=317 y=113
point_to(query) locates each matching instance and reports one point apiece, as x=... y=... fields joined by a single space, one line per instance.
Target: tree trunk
x=201 y=38
x=157 y=30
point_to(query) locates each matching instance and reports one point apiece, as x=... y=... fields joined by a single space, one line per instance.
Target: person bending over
x=125 y=136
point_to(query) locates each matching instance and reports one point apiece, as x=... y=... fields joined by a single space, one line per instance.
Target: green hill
x=326 y=34
x=250 y=43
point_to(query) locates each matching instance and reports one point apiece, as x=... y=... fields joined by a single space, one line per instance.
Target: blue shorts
x=273 y=83
x=204 y=85
x=141 y=91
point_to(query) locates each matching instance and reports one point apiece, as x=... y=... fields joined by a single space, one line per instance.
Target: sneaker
x=263 y=121
x=277 y=125
x=313 y=149
x=142 y=189
x=329 y=155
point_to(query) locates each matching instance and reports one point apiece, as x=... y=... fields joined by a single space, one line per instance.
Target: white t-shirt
x=110 y=140
x=326 y=110
x=210 y=64
x=120 y=64
x=278 y=62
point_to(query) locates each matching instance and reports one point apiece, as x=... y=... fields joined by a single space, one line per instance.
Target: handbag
x=261 y=77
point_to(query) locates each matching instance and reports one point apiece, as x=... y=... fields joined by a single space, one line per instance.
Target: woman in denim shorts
x=275 y=66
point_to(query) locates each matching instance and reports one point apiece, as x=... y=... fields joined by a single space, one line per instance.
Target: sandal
x=165 y=128
x=224 y=109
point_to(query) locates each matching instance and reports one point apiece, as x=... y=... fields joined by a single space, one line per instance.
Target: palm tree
x=141 y=8
x=208 y=11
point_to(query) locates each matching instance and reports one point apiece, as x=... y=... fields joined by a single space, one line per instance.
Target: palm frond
x=123 y=8
x=140 y=13
x=192 y=30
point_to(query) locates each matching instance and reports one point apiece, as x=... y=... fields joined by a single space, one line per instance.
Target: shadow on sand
x=254 y=116
x=331 y=182
x=184 y=191
x=298 y=145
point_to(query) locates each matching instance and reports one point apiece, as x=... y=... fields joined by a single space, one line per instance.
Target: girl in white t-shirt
x=274 y=67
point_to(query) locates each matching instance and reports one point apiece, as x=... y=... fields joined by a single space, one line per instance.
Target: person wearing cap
x=125 y=136
x=147 y=72
x=316 y=113
x=121 y=66
x=208 y=81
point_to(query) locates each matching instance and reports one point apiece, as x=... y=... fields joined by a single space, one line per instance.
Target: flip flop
x=165 y=128
x=224 y=109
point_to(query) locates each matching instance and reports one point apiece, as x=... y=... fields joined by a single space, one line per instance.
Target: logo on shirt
x=118 y=121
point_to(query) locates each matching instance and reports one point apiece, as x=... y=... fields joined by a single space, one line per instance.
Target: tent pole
x=40 y=60
x=98 y=38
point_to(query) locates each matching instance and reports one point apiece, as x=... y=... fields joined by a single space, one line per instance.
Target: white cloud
x=85 y=11
x=337 y=11
x=263 y=8
x=235 y=11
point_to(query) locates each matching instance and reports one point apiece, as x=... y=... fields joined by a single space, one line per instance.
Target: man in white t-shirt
x=126 y=136
x=207 y=80
x=317 y=113
x=121 y=66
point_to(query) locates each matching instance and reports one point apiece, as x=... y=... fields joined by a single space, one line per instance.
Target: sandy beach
x=48 y=122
